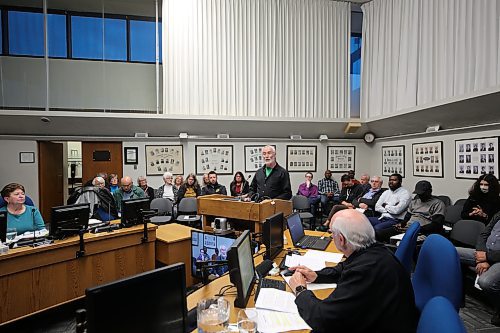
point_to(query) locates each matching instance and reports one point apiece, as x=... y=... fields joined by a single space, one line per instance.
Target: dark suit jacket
x=370 y=202
x=355 y=191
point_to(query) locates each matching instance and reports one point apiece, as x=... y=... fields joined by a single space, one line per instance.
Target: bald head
x=355 y=227
x=126 y=184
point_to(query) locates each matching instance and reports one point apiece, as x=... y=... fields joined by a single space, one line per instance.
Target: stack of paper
x=315 y=260
x=274 y=321
x=314 y=286
x=277 y=300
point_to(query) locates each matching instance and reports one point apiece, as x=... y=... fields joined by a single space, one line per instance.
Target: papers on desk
x=29 y=235
x=313 y=286
x=94 y=221
x=276 y=300
x=274 y=321
x=315 y=260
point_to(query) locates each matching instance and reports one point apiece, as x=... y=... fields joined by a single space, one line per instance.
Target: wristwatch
x=299 y=289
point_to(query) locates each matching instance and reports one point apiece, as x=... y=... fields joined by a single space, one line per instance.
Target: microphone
x=33 y=210
x=249 y=176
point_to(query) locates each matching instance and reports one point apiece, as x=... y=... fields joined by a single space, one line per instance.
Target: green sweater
x=24 y=222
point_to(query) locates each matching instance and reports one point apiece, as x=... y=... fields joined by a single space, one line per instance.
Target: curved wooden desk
x=35 y=279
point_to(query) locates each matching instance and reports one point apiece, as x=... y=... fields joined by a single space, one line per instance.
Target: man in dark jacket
x=370 y=196
x=271 y=181
x=374 y=291
x=486 y=259
x=213 y=187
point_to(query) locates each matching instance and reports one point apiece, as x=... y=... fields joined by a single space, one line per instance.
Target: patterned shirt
x=326 y=185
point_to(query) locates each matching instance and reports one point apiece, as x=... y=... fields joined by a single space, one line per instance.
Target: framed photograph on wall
x=393 y=160
x=160 y=159
x=428 y=159
x=27 y=157
x=301 y=158
x=253 y=158
x=214 y=158
x=130 y=155
x=341 y=159
x=476 y=157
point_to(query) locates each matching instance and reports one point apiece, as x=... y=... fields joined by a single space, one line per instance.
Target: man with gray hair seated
x=371 y=284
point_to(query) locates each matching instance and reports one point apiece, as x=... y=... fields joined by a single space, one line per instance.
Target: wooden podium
x=217 y=205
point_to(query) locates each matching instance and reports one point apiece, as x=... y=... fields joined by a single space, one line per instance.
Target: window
x=143 y=41
x=86 y=37
x=56 y=27
x=25 y=33
x=355 y=75
x=115 y=39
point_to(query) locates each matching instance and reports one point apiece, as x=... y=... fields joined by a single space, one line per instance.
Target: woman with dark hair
x=23 y=218
x=239 y=185
x=190 y=188
x=483 y=201
x=113 y=183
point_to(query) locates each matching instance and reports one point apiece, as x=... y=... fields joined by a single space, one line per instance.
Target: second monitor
x=272 y=235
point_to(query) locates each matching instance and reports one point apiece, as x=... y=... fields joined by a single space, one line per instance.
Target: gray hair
x=270 y=147
x=167 y=174
x=355 y=228
x=98 y=181
x=140 y=178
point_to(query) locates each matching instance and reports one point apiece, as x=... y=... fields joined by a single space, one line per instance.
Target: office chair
x=437 y=272
x=439 y=315
x=466 y=232
x=452 y=215
x=301 y=205
x=445 y=199
x=407 y=246
x=187 y=209
x=27 y=201
x=164 y=207
x=460 y=202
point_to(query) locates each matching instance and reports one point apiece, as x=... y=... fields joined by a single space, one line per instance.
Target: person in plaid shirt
x=329 y=191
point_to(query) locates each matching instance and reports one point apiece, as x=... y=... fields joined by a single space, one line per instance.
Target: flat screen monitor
x=206 y=246
x=69 y=220
x=272 y=235
x=3 y=226
x=154 y=301
x=241 y=268
x=131 y=211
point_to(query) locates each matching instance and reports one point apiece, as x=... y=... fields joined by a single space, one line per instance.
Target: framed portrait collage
x=393 y=160
x=214 y=158
x=475 y=157
x=160 y=159
x=427 y=159
x=301 y=158
x=341 y=159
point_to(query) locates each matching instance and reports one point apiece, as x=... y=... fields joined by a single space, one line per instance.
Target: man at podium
x=271 y=181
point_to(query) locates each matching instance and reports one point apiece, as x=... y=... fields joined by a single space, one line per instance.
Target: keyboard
x=308 y=241
x=271 y=283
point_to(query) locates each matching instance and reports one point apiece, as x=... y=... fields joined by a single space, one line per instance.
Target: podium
x=254 y=213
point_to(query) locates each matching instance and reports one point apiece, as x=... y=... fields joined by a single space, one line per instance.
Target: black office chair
x=164 y=207
x=187 y=213
x=301 y=205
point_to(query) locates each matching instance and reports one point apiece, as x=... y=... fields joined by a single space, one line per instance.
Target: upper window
x=143 y=41
x=25 y=33
x=56 y=27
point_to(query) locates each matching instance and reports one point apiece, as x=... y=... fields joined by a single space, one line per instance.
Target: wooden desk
x=213 y=287
x=253 y=212
x=173 y=245
x=35 y=279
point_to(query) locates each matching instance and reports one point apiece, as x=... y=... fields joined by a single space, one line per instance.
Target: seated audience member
x=213 y=186
x=353 y=177
x=99 y=182
x=425 y=209
x=486 y=259
x=310 y=191
x=239 y=186
x=370 y=196
x=20 y=216
x=350 y=191
x=328 y=189
x=126 y=191
x=149 y=192
x=102 y=202
x=364 y=180
x=167 y=190
x=392 y=204
x=205 y=179
x=483 y=201
x=371 y=282
x=203 y=256
x=190 y=188
x=113 y=183
x=178 y=181
x=100 y=174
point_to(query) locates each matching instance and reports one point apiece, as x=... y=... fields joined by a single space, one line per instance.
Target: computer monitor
x=131 y=211
x=153 y=301
x=206 y=246
x=241 y=268
x=3 y=226
x=69 y=220
x=272 y=235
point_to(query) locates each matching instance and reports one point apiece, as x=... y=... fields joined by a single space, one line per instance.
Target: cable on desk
x=223 y=290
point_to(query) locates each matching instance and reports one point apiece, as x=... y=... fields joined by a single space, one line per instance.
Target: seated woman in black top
x=239 y=185
x=483 y=201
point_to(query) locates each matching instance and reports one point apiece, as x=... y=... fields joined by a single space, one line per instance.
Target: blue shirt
x=24 y=222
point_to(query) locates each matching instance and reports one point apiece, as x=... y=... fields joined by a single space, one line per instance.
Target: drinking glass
x=247 y=321
x=213 y=315
x=11 y=234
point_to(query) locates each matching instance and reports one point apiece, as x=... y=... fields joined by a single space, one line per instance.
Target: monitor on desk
x=3 y=226
x=154 y=301
x=131 y=211
x=241 y=268
x=207 y=246
x=69 y=220
x=272 y=235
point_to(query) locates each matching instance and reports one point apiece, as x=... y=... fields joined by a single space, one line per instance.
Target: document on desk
x=313 y=286
x=323 y=256
x=276 y=300
x=273 y=321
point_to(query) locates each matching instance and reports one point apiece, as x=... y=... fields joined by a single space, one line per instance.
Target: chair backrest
x=300 y=203
x=453 y=214
x=187 y=205
x=437 y=272
x=89 y=195
x=440 y=316
x=27 y=201
x=460 y=202
x=444 y=198
x=163 y=205
x=407 y=246
x=465 y=232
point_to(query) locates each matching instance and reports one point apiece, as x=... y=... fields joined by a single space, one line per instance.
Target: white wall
x=12 y=171
x=448 y=185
